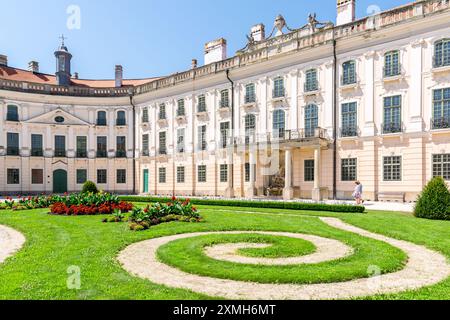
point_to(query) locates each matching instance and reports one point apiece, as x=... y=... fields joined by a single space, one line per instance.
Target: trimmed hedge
x=434 y=201
x=258 y=204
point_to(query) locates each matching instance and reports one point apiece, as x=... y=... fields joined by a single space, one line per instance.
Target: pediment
x=50 y=118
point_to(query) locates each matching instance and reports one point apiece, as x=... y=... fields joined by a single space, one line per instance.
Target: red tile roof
x=15 y=74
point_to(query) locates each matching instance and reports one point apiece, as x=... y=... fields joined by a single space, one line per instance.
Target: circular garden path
x=423 y=268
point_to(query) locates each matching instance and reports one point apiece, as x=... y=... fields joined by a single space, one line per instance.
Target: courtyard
x=233 y=253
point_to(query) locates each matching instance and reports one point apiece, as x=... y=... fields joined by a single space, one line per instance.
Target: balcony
x=12 y=151
x=121 y=123
x=440 y=123
x=224 y=104
x=301 y=136
x=12 y=117
x=145 y=153
x=37 y=152
x=81 y=154
x=102 y=154
x=121 y=154
x=59 y=153
x=181 y=112
x=392 y=128
x=349 y=132
x=162 y=151
x=249 y=99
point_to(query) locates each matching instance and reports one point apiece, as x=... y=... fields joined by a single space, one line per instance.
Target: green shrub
x=434 y=201
x=258 y=204
x=89 y=187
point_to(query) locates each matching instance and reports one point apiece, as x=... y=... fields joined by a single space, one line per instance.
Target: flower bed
x=157 y=213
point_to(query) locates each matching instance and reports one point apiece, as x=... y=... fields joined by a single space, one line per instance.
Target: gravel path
x=11 y=241
x=326 y=250
x=424 y=268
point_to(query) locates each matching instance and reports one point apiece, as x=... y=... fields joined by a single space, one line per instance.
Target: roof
x=15 y=74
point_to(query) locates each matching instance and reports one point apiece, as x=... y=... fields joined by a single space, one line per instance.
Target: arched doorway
x=59 y=181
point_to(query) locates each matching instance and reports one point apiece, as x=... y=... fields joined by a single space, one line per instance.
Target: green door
x=146 y=181
x=59 y=181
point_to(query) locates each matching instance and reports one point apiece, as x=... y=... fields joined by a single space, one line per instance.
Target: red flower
x=174 y=198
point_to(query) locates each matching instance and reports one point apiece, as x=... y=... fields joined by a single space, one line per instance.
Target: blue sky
x=148 y=37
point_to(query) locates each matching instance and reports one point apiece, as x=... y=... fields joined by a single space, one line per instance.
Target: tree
x=434 y=201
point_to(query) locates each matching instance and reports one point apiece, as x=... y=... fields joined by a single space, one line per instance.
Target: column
x=251 y=191
x=317 y=192
x=415 y=123
x=288 y=192
x=229 y=192
x=369 y=93
x=294 y=100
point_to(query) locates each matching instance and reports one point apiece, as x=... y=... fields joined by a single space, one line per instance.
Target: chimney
x=345 y=11
x=3 y=60
x=215 y=51
x=258 y=32
x=194 y=63
x=119 y=76
x=33 y=66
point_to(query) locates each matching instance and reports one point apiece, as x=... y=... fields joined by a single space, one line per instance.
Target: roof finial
x=62 y=40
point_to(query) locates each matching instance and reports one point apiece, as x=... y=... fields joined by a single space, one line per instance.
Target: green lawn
x=54 y=243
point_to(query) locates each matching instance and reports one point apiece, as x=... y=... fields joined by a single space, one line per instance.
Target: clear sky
x=148 y=37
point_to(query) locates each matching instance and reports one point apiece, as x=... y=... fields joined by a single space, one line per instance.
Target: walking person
x=357 y=194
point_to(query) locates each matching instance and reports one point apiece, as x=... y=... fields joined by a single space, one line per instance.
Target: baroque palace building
x=298 y=113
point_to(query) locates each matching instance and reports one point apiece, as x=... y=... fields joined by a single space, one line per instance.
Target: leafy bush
x=259 y=204
x=434 y=201
x=89 y=187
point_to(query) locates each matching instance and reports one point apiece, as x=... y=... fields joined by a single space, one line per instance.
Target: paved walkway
x=11 y=241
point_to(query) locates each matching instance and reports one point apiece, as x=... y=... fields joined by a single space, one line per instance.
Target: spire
x=63 y=61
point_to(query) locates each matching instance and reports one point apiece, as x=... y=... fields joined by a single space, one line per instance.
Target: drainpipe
x=232 y=124
x=131 y=94
x=335 y=119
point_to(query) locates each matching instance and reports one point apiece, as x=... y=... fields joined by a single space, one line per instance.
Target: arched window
x=101 y=118
x=279 y=123
x=250 y=127
x=442 y=53
x=12 y=113
x=311 y=119
x=349 y=72
x=121 y=120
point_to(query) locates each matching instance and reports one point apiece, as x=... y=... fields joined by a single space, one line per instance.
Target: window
x=441 y=109
x=145 y=145
x=12 y=148
x=279 y=123
x=162 y=143
x=349 y=120
x=392 y=168
x=181 y=111
x=121 y=119
x=247 y=172
x=121 y=151
x=392 y=64
x=145 y=115
x=250 y=93
x=180 y=140
x=392 y=114
x=349 y=169
x=348 y=72
x=442 y=53
x=102 y=176
x=162 y=112
x=278 y=87
x=224 y=99
x=311 y=120
x=81 y=147
x=162 y=175
x=60 y=146
x=121 y=176
x=180 y=174
x=202 y=145
x=101 y=118
x=309 y=170
x=102 y=147
x=13 y=176
x=81 y=176
x=201 y=173
x=59 y=119
x=311 y=83
x=201 y=104
x=224 y=134
x=37 y=176
x=12 y=113
x=36 y=145
x=250 y=127
x=441 y=166
x=223 y=173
